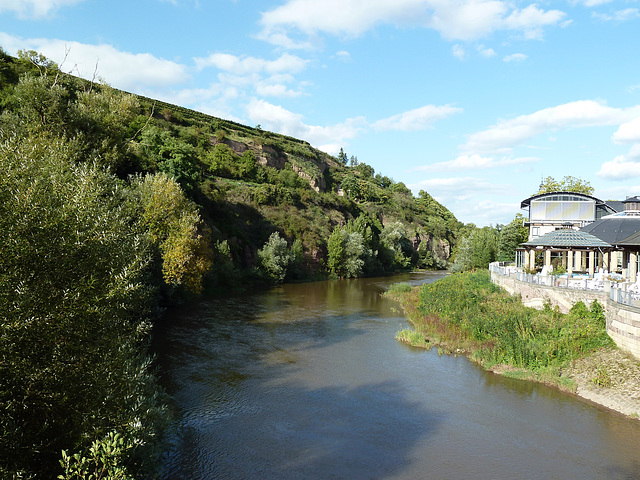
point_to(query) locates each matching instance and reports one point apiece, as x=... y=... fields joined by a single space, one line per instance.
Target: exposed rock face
x=269 y=156
x=237 y=147
x=437 y=246
x=318 y=184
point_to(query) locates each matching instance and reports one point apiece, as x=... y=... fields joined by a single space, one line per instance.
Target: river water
x=307 y=382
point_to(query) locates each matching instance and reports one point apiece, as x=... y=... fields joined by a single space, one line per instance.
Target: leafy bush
x=74 y=308
x=276 y=257
x=469 y=310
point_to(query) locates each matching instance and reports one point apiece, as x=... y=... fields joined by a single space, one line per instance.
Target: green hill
x=250 y=183
x=113 y=205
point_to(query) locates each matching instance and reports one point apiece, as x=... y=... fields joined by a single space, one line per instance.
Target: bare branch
x=146 y=123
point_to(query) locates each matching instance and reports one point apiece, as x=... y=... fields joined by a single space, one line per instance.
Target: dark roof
x=633 y=240
x=631 y=200
x=527 y=201
x=567 y=238
x=615 y=205
x=614 y=230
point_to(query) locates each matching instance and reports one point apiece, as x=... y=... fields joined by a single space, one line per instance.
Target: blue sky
x=473 y=101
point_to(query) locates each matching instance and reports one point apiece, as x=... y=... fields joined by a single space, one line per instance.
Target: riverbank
x=605 y=375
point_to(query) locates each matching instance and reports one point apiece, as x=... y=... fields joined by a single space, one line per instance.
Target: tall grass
x=466 y=311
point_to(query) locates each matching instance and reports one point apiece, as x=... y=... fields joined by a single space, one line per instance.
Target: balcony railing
x=620 y=291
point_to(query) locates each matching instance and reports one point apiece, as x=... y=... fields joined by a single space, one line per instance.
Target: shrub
x=276 y=257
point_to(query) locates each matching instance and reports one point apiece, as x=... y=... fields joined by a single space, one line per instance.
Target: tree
x=366 y=171
x=484 y=247
x=463 y=260
x=347 y=252
x=174 y=227
x=342 y=157
x=511 y=236
x=74 y=309
x=276 y=257
x=567 y=184
x=395 y=246
x=171 y=156
x=477 y=250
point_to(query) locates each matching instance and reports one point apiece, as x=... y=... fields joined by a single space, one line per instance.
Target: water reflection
x=307 y=381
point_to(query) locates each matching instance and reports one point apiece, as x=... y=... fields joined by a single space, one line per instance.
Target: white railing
x=622 y=292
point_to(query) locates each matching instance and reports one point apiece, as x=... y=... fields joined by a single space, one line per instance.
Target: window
x=558 y=208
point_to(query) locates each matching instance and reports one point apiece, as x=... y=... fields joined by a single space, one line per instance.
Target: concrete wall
x=623 y=325
x=623 y=322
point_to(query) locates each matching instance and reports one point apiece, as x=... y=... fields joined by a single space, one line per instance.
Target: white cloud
x=466 y=198
x=531 y=19
x=266 y=89
x=466 y=162
x=278 y=119
x=507 y=134
x=459 y=52
x=454 y=20
x=458 y=186
x=417 y=119
x=34 y=8
x=618 y=16
x=591 y=3
x=620 y=168
x=486 y=52
x=269 y=78
x=628 y=132
x=128 y=71
x=247 y=65
x=516 y=57
x=343 y=55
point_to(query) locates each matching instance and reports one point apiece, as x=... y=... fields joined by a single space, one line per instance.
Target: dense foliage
x=113 y=206
x=567 y=184
x=481 y=246
x=467 y=311
x=85 y=259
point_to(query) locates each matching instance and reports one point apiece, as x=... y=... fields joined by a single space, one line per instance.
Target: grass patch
x=413 y=338
x=399 y=288
x=466 y=311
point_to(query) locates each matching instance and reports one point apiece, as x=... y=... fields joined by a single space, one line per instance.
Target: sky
x=473 y=101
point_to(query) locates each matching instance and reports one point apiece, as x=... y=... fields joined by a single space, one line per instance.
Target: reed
x=467 y=312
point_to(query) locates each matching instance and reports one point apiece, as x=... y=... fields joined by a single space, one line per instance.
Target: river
x=307 y=382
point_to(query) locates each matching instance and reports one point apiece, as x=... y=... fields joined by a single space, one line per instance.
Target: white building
x=560 y=210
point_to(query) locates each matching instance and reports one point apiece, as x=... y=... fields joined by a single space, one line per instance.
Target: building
x=609 y=243
x=561 y=210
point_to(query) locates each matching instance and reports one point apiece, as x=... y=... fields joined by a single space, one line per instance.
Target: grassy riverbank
x=466 y=313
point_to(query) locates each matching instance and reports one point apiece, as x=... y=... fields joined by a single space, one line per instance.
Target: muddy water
x=308 y=382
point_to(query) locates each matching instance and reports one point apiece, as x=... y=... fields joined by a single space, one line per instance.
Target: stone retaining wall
x=623 y=322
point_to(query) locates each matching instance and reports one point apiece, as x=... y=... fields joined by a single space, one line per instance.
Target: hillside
x=113 y=206
x=250 y=183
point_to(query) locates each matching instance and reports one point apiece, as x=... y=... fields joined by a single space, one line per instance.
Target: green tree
x=567 y=184
x=175 y=229
x=484 y=246
x=463 y=256
x=276 y=257
x=336 y=250
x=347 y=253
x=351 y=187
x=74 y=309
x=342 y=157
x=396 y=247
x=366 y=171
x=170 y=155
x=476 y=250
x=511 y=236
